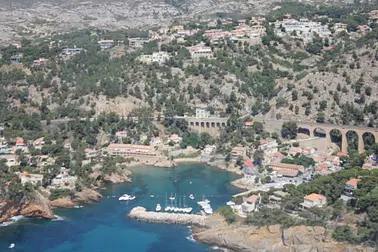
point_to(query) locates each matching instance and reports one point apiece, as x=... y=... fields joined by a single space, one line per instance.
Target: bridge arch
x=336 y=137
x=207 y=125
x=218 y=124
x=191 y=123
x=202 y=124
x=368 y=139
x=213 y=124
x=303 y=130
x=223 y=124
x=197 y=124
x=352 y=139
x=320 y=132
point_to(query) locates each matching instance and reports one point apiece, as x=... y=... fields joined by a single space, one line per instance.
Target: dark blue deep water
x=104 y=226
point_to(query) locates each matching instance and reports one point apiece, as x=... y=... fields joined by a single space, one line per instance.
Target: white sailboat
x=191 y=196
x=167 y=208
x=12 y=245
x=175 y=209
x=186 y=208
x=172 y=198
x=158 y=208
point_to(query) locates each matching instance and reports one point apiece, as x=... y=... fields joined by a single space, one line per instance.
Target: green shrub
x=227 y=213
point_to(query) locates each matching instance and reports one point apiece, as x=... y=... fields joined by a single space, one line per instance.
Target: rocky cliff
x=244 y=238
x=35 y=205
x=118 y=177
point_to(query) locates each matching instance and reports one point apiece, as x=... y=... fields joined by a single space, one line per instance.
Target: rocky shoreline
x=245 y=238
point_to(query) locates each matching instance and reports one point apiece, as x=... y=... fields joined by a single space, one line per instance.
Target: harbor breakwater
x=141 y=213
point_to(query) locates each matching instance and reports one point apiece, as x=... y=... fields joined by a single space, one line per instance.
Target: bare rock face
x=303 y=235
x=117 y=178
x=65 y=202
x=275 y=238
x=37 y=206
x=34 y=210
x=87 y=196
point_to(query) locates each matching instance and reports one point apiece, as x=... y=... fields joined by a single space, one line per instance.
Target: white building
x=105 y=44
x=249 y=205
x=339 y=27
x=33 y=179
x=91 y=153
x=202 y=112
x=159 y=57
x=304 y=29
x=209 y=150
x=175 y=138
x=314 y=200
x=200 y=51
x=121 y=134
x=64 y=179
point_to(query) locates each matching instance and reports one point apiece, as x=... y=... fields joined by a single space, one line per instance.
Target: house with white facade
x=33 y=179
x=314 y=200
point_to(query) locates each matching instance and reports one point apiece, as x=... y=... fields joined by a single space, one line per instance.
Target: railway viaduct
x=214 y=125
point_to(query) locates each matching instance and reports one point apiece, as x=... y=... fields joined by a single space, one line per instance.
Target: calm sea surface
x=104 y=226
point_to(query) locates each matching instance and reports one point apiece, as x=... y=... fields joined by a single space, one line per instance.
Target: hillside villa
x=33 y=179
x=314 y=200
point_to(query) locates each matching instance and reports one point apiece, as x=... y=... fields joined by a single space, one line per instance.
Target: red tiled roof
x=20 y=141
x=277 y=155
x=341 y=154
x=288 y=172
x=252 y=199
x=248 y=163
x=314 y=196
x=353 y=182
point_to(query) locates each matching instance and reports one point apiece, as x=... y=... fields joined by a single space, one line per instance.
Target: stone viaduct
x=213 y=126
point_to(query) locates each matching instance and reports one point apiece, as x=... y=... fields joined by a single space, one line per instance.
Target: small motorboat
x=230 y=203
x=190 y=182
x=191 y=196
x=208 y=210
x=188 y=210
x=126 y=197
x=167 y=209
x=151 y=196
x=158 y=208
x=12 y=245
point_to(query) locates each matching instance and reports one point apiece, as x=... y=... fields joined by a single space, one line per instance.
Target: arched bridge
x=327 y=130
x=213 y=126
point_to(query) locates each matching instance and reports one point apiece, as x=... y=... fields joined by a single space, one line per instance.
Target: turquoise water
x=104 y=226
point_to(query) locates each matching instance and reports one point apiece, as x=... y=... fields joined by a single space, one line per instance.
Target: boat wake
x=216 y=248
x=13 y=219
x=190 y=237
x=58 y=218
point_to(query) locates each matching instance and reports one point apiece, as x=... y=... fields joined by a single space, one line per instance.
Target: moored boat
x=158 y=208
x=126 y=197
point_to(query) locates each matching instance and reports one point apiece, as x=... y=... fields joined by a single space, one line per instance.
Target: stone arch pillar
x=328 y=136
x=361 y=144
x=344 y=141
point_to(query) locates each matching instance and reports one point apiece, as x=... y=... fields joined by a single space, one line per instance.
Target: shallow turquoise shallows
x=104 y=226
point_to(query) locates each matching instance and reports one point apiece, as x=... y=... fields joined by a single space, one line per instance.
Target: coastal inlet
x=103 y=225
